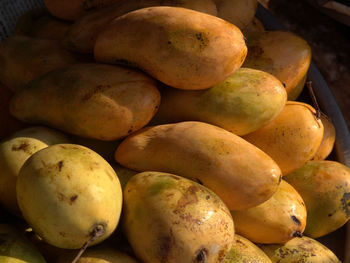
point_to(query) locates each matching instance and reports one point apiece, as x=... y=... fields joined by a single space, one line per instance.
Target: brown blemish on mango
x=346 y=203
x=60 y=165
x=72 y=199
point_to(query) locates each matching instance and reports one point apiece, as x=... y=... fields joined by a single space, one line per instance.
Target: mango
x=325 y=188
x=82 y=36
x=328 y=139
x=277 y=220
x=254 y=26
x=167 y=218
x=292 y=138
x=14 y=151
x=242 y=175
x=304 y=249
x=69 y=195
x=15 y=248
x=282 y=54
x=244 y=251
x=96 y=101
x=182 y=48
x=24 y=59
x=243 y=103
x=105 y=255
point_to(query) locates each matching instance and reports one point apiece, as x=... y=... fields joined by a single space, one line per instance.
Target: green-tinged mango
x=15 y=248
x=325 y=189
x=282 y=54
x=243 y=103
x=24 y=59
x=244 y=251
x=328 y=139
x=182 y=48
x=14 y=151
x=292 y=138
x=300 y=250
x=277 y=220
x=96 y=101
x=82 y=36
x=167 y=218
x=69 y=194
x=242 y=175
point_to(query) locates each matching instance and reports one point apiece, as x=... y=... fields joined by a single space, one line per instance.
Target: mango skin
x=325 y=188
x=82 y=36
x=24 y=59
x=70 y=188
x=105 y=255
x=96 y=101
x=282 y=54
x=15 y=248
x=302 y=249
x=277 y=220
x=328 y=139
x=182 y=48
x=218 y=159
x=171 y=219
x=292 y=138
x=244 y=251
x=14 y=151
x=243 y=103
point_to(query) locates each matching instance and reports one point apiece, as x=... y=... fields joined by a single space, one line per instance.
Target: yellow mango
x=96 y=101
x=242 y=175
x=182 y=48
x=328 y=139
x=243 y=103
x=82 y=36
x=14 y=151
x=277 y=220
x=292 y=138
x=304 y=249
x=105 y=255
x=244 y=251
x=69 y=194
x=282 y=54
x=24 y=59
x=167 y=218
x=325 y=188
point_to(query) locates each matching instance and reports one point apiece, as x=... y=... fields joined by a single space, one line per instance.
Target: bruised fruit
x=277 y=220
x=325 y=189
x=171 y=219
x=216 y=158
x=14 y=151
x=328 y=139
x=292 y=138
x=180 y=47
x=69 y=195
x=96 y=101
x=243 y=103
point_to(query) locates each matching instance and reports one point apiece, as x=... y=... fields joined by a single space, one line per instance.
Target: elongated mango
x=328 y=139
x=277 y=220
x=243 y=103
x=180 y=47
x=292 y=138
x=325 y=188
x=167 y=218
x=242 y=175
x=90 y=100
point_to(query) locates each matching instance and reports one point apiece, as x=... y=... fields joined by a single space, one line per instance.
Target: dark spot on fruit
x=60 y=164
x=295 y=220
x=201 y=255
x=62 y=234
x=199 y=181
x=284 y=84
x=345 y=201
x=207 y=197
x=22 y=147
x=165 y=245
x=72 y=199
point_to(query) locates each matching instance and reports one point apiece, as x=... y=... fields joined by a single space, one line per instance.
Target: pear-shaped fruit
x=171 y=219
x=69 y=195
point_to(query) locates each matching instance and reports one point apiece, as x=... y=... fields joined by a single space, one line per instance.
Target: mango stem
x=314 y=100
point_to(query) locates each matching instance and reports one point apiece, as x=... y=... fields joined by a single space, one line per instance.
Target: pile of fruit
x=169 y=132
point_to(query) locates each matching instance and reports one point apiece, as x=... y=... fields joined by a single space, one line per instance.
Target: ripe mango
x=14 y=151
x=277 y=220
x=242 y=175
x=69 y=194
x=282 y=54
x=243 y=103
x=304 y=249
x=292 y=138
x=182 y=48
x=104 y=255
x=328 y=139
x=167 y=218
x=96 y=101
x=325 y=188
